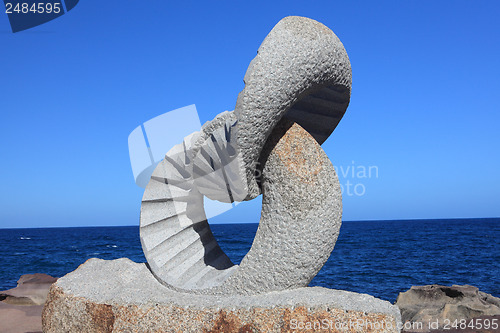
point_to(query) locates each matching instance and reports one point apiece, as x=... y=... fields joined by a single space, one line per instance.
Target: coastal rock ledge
x=123 y=296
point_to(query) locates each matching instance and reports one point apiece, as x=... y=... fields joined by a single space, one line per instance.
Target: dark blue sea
x=380 y=258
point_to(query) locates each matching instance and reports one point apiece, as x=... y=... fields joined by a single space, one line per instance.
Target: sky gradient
x=424 y=109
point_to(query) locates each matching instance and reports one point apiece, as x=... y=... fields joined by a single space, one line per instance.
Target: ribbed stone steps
x=176 y=238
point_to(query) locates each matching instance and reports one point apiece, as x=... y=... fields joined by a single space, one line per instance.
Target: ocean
x=380 y=258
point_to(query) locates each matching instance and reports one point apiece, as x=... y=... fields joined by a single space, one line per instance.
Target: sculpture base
x=123 y=296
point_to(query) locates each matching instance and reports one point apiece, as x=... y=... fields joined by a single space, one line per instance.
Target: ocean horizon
x=476 y=219
x=376 y=257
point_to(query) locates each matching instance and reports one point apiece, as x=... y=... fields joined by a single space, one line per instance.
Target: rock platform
x=123 y=296
x=21 y=307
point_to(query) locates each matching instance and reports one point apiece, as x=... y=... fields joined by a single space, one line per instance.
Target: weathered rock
x=431 y=303
x=21 y=307
x=123 y=296
x=20 y=318
x=31 y=289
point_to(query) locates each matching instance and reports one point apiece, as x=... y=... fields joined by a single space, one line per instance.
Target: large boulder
x=123 y=296
x=446 y=307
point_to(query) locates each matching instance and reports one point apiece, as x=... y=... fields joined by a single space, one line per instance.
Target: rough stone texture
x=123 y=296
x=21 y=307
x=301 y=70
x=424 y=304
x=300 y=219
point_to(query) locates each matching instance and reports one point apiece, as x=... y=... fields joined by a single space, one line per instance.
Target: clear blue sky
x=424 y=106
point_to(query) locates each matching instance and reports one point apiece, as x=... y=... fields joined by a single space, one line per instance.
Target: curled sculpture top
x=296 y=91
x=301 y=71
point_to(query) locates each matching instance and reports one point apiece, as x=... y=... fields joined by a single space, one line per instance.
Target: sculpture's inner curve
x=320 y=111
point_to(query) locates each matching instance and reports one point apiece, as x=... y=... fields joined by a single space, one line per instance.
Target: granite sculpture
x=296 y=91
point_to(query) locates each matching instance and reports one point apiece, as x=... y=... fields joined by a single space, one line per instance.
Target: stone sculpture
x=296 y=91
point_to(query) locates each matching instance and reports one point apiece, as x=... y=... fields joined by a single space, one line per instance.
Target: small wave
x=111 y=246
x=25 y=238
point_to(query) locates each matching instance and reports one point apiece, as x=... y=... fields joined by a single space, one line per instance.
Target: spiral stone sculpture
x=296 y=91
